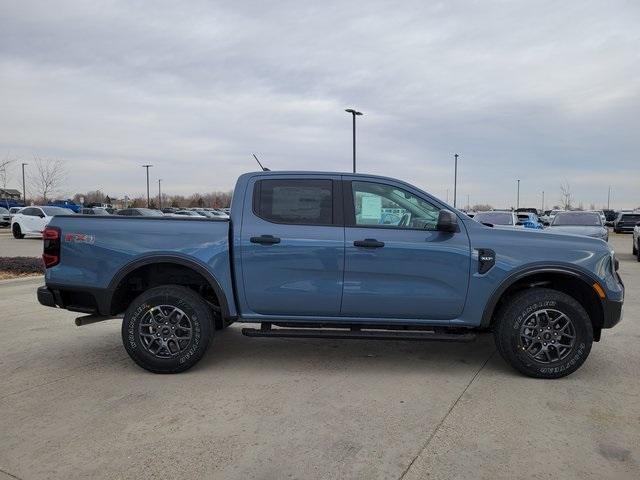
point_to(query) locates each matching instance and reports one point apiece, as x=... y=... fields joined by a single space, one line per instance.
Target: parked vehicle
x=610 y=215
x=5 y=217
x=580 y=223
x=188 y=213
x=636 y=241
x=552 y=215
x=527 y=210
x=626 y=222
x=70 y=204
x=169 y=210
x=603 y=217
x=306 y=255
x=529 y=220
x=95 y=211
x=33 y=220
x=139 y=212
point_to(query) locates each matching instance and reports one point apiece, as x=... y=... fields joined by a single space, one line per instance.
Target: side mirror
x=447 y=221
x=546 y=224
x=519 y=224
x=41 y=215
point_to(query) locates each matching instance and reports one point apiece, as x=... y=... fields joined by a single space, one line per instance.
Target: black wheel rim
x=165 y=331
x=547 y=336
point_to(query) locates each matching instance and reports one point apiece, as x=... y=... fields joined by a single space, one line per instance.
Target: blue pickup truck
x=317 y=255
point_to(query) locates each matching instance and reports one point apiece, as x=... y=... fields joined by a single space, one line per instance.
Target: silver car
x=580 y=223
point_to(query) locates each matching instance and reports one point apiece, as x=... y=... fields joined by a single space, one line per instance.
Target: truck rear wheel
x=544 y=333
x=167 y=329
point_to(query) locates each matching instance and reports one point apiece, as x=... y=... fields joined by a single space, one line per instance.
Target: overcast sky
x=542 y=91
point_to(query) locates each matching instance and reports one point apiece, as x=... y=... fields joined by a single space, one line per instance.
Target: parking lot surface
x=73 y=405
x=26 y=247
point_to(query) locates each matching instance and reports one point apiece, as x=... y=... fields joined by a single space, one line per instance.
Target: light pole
x=353 y=114
x=518 y=197
x=542 y=209
x=609 y=198
x=24 y=190
x=468 y=205
x=147 y=167
x=159 y=194
x=455 y=181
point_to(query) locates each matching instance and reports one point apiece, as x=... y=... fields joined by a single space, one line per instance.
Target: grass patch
x=12 y=267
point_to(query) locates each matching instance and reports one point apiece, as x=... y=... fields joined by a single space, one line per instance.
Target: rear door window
x=295 y=201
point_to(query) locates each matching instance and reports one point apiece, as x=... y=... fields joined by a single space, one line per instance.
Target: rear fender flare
x=177 y=260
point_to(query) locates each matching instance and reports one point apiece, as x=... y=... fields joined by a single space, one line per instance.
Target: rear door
x=30 y=219
x=292 y=246
x=396 y=264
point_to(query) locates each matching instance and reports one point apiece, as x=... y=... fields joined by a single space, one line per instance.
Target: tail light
x=51 y=253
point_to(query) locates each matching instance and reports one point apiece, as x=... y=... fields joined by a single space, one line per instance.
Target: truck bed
x=97 y=252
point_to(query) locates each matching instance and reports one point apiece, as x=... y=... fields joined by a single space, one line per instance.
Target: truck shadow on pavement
x=231 y=348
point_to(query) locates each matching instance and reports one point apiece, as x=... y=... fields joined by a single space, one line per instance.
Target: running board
x=355 y=334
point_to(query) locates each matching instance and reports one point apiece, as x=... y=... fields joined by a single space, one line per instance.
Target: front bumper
x=612 y=313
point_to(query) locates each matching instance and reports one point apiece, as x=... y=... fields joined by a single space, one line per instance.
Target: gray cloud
x=540 y=91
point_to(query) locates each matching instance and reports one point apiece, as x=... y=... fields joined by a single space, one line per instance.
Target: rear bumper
x=46 y=297
x=84 y=301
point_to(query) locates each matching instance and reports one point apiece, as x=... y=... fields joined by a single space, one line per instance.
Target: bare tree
x=567 y=196
x=4 y=165
x=48 y=178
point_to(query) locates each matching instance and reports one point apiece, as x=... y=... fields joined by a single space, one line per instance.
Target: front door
x=292 y=246
x=397 y=265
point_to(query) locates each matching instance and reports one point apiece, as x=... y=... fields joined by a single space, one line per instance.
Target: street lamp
x=455 y=181
x=147 y=167
x=24 y=190
x=518 y=197
x=353 y=114
x=159 y=194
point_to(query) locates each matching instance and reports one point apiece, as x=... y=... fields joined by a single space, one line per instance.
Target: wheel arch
x=573 y=282
x=142 y=266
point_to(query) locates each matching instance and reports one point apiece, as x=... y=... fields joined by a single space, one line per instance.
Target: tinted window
x=386 y=206
x=630 y=218
x=577 y=218
x=51 y=211
x=32 y=212
x=298 y=202
x=495 y=218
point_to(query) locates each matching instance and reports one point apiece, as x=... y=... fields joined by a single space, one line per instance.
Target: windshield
x=496 y=218
x=51 y=211
x=578 y=218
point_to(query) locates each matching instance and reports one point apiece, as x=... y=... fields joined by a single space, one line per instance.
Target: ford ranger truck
x=333 y=255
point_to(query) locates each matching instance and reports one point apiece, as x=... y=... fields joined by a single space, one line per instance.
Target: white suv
x=32 y=220
x=636 y=240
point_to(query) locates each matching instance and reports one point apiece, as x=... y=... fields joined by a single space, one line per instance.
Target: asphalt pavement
x=26 y=247
x=72 y=405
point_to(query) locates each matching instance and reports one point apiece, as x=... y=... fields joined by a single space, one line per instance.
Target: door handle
x=265 y=240
x=368 y=243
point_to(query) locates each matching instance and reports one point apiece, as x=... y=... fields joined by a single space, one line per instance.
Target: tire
x=518 y=344
x=180 y=314
x=17 y=232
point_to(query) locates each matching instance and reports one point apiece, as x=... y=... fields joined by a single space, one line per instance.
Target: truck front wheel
x=543 y=333
x=167 y=329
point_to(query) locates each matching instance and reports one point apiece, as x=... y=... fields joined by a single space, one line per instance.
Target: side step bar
x=358 y=334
